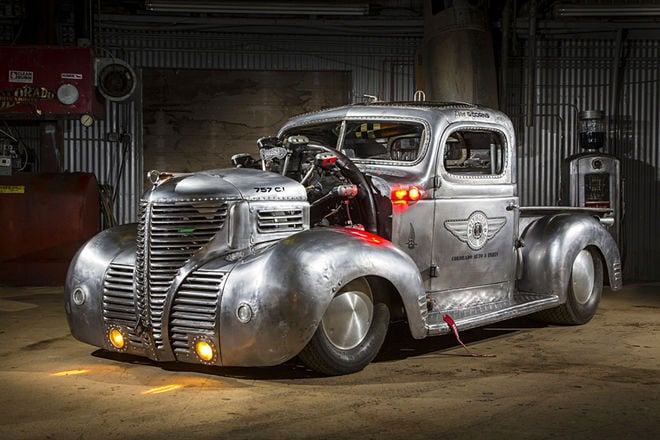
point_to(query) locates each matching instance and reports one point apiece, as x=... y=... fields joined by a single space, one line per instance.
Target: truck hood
x=228 y=184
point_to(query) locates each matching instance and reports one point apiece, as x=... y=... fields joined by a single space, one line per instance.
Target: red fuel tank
x=44 y=218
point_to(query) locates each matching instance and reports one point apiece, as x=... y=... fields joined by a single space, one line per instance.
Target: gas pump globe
x=591 y=178
x=592 y=130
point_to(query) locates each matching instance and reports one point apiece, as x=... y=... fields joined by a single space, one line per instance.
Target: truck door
x=475 y=217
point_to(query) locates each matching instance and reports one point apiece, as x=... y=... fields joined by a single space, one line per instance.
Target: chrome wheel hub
x=583 y=277
x=348 y=318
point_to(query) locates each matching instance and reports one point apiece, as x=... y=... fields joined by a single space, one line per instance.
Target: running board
x=522 y=304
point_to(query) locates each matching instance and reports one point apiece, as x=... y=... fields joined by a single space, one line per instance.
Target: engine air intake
x=272 y=221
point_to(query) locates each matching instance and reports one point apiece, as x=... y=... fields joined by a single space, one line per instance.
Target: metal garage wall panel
x=575 y=75
x=379 y=66
x=97 y=149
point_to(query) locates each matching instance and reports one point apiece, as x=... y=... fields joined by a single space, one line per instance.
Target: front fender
x=552 y=243
x=87 y=272
x=289 y=286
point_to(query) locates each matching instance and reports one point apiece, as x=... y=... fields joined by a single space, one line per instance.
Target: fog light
x=78 y=296
x=244 y=313
x=204 y=350
x=116 y=338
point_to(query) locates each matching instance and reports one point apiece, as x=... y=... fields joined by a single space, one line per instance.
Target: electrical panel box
x=48 y=82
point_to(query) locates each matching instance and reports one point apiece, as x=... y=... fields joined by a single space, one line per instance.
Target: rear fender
x=552 y=243
x=289 y=286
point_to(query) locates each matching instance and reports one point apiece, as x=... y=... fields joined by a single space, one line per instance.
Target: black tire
x=585 y=288
x=344 y=341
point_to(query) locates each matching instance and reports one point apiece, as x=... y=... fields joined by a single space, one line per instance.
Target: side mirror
x=296 y=141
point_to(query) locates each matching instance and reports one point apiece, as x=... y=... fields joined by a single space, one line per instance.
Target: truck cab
x=449 y=171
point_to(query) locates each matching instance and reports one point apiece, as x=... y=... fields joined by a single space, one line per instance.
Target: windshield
x=369 y=139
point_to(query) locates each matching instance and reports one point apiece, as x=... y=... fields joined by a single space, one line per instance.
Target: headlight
x=244 y=313
x=78 y=296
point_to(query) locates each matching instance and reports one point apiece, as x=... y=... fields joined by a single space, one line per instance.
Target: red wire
x=450 y=322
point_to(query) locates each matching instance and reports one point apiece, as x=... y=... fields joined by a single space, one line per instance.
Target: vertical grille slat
x=169 y=233
x=118 y=302
x=195 y=308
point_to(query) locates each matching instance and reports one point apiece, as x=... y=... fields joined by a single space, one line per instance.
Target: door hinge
x=433 y=271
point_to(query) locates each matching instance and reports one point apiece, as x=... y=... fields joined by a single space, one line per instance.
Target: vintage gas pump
x=592 y=178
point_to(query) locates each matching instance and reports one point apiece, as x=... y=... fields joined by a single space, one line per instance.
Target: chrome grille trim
x=170 y=232
x=118 y=303
x=194 y=310
x=277 y=220
x=140 y=285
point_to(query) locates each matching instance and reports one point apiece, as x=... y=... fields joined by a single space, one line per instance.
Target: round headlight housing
x=244 y=313
x=78 y=296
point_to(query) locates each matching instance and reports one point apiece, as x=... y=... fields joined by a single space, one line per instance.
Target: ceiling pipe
x=531 y=64
x=256 y=7
x=607 y=11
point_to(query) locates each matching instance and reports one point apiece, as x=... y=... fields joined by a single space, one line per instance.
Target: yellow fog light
x=204 y=350
x=116 y=338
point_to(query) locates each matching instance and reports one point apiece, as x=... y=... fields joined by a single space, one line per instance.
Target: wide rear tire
x=585 y=288
x=351 y=332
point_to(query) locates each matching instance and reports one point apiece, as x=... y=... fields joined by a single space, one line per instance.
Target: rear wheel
x=584 y=291
x=351 y=332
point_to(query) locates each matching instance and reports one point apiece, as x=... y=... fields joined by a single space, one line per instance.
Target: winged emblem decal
x=476 y=230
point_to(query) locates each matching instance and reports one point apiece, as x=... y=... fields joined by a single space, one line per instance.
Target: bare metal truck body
x=353 y=217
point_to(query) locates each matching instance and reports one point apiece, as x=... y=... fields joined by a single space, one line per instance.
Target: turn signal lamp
x=403 y=196
x=204 y=350
x=116 y=339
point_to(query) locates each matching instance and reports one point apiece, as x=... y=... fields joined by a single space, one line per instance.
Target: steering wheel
x=354 y=175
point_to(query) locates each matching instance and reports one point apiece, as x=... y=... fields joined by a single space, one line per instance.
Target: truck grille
x=169 y=233
x=194 y=310
x=118 y=302
x=271 y=221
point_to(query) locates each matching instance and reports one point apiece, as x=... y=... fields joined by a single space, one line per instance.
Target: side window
x=387 y=140
x=475 y=152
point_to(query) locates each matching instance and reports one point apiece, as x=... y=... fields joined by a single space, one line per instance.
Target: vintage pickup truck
x=351 y=218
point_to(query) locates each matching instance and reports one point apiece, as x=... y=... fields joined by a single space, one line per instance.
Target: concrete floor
x=598 y=381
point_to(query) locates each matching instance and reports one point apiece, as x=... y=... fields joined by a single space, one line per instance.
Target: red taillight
x=403 y=196
x=414 y=194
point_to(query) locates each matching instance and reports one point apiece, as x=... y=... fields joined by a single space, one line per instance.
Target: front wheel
x=351 y=331
x=584 y=291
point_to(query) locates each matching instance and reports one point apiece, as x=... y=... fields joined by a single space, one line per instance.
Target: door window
x=475 y=153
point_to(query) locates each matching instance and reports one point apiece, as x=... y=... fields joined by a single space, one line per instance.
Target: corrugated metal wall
x=571 y=75
x=381 y=66
x=112 y=150
x=575 y=75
